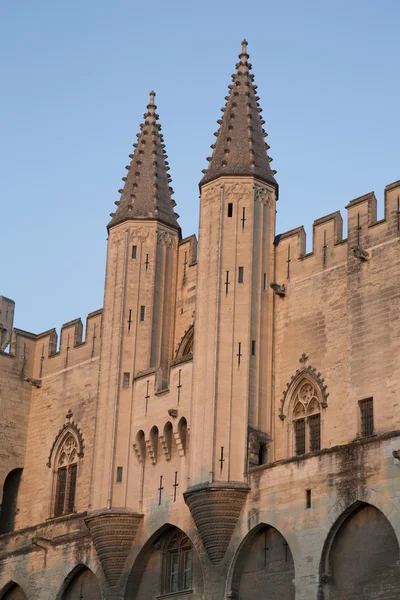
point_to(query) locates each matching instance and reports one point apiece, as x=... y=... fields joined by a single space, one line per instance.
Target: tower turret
x=137 y=329
x=232 y=354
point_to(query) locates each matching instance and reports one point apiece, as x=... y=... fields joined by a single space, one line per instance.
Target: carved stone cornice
x=215 y=508
x=113 y=533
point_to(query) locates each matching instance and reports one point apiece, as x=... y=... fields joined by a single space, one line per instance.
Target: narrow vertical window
x=263 y=454
x=265 y=281
x=125 y=382
x=67 y=469
x=367 y=417
x=178 y=565
x=253 y=347
x=230 y=209
x=314 y=424
x=134 y=250
x=72 y=471
x=240 y=274
x=119 y=475
x=300 y=436
x=308 y=498
x=142 y=312
x=60 y=491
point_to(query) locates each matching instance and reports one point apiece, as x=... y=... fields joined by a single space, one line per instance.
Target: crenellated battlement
x=329 y=248
x=40 y=355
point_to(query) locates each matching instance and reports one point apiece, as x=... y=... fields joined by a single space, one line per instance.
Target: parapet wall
x=37 y=355
x=329 y=249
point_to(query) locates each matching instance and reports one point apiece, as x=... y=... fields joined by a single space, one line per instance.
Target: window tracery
x=66 y=475
x=185 y=347
x=306 y=417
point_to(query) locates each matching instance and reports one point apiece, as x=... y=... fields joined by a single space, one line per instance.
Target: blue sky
x=75 y=81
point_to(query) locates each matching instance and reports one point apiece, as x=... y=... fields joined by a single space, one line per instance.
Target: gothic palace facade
x=228 y=424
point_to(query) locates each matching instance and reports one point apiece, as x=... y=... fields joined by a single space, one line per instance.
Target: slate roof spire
x=147 y=193
x=240 y=148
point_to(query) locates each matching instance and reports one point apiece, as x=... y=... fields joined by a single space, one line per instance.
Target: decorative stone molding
x=262 y=195
x=138 y=452
x=150 y=450
x=215 y=508
x=113 y=532
x=316 y=378
x=211 y=195
x=164 y=238
x=141 y=233
x=71 y=427
x=164 y=446
x=185 y=346
x=179 y=443
x=236 y=189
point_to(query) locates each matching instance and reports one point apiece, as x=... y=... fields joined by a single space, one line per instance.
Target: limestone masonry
x=228 y=424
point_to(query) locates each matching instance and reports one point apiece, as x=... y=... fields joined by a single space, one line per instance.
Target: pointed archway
x=167 y=564
x=81 y=584
x=13 y=592
x=360 y=557
x=264 y=566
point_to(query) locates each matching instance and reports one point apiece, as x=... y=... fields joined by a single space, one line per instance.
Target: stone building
x=227 y=425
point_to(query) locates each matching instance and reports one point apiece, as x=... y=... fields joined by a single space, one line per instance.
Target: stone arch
x=139 y=446
x=81 y=581
x=153 y=445
x=9 y=500
x=185 y=347
x=304 y=373
x=182 y=432
x=263 y=566
x=302 y=412
x=148 y=575
x=12 y=591
x=360 y=556
x=166 y=440
x=68 y=428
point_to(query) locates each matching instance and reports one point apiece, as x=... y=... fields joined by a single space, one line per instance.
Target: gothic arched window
x=306 y=418
x=66 y=465
x=178 y=564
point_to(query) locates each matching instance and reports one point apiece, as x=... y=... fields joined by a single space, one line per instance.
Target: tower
x=137 y=330
x=232 y=355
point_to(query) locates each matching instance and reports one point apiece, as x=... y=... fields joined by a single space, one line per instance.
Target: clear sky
x=75 y=77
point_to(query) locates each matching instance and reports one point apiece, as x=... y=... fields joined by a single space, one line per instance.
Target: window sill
x=181 y=594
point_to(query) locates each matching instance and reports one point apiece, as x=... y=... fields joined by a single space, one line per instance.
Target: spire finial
x=240 y=148
x=243 y=55
x=146 y=193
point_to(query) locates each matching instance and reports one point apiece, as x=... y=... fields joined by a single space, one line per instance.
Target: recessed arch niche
x=13 y=592
x=360 y=557
x=264 y=567
x=164 y=559
x=81 y=584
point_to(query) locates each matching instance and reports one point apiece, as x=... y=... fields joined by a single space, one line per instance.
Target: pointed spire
x=240 y=148
x=146 y=193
